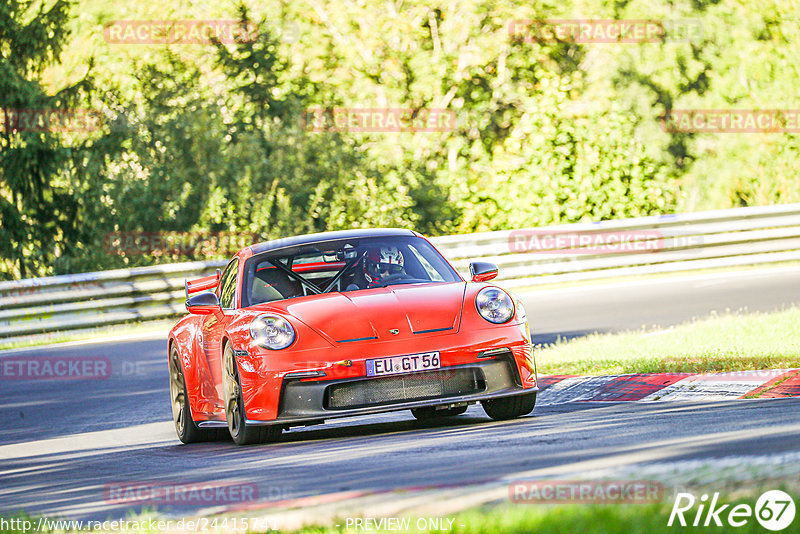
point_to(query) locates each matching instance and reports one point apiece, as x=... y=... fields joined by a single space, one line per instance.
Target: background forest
x=210 y=138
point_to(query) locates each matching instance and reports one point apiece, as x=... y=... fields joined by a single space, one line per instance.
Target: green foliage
x=39 y=207
x=237 y=158
x=717 y=344
x=211 y=138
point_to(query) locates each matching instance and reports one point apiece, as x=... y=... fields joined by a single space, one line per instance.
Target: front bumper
x=316 y=400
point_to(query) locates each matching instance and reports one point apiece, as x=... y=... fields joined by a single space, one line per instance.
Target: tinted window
x=227 y=286
x=270 y=283
x=343 y=265
x=426 y=258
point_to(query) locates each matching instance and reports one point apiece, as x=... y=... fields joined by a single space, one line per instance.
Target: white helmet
x=384 y=260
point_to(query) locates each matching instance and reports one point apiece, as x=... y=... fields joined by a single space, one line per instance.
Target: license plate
x=395 y=365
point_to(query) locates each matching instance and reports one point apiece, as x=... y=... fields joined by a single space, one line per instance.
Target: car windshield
x=342 y=266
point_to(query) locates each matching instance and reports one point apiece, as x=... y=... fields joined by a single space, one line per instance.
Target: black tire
x=430 y=412
x=510 y=407
x=185 y=427
x=234 y=406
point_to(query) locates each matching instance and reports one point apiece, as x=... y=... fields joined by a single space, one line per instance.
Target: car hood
x=411 y=310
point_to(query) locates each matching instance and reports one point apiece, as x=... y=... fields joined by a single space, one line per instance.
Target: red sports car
x=304 y=329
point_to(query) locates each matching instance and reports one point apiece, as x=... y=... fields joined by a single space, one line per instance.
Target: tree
x=38 y=208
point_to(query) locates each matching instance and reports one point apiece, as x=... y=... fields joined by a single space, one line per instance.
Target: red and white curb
x=771 y=383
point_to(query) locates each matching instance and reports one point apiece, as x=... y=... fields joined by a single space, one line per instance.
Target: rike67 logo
x=774 y=510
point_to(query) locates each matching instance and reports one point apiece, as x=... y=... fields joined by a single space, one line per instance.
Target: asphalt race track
x=66 y=445
x=630 y=305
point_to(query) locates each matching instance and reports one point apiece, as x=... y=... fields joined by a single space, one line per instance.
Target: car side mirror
x=482 y=271
x=204 y=304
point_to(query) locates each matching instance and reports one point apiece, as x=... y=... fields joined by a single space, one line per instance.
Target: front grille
x=409 y=387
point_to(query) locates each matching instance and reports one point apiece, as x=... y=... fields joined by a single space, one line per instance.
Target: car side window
x=269 y=284
x=227 y=286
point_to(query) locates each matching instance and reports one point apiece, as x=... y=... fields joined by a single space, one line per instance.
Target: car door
x=214 y=327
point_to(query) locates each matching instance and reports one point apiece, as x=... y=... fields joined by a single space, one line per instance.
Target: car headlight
x=272 y=332
x=494 y=305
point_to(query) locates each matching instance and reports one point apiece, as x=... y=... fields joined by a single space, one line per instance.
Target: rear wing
x=201 y=284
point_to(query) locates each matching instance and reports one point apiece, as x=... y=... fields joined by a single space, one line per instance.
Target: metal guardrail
x=529 y=257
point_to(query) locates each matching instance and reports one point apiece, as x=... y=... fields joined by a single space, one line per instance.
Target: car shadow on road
x=399 y=423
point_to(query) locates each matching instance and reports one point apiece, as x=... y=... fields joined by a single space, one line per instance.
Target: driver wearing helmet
x=379 y=264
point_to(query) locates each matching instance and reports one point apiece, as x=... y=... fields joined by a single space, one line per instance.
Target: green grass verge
x=650 y=518
x=719 y=343
x=577 y=519
x=532 y=518
x=513 y=518
x=583 y=519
